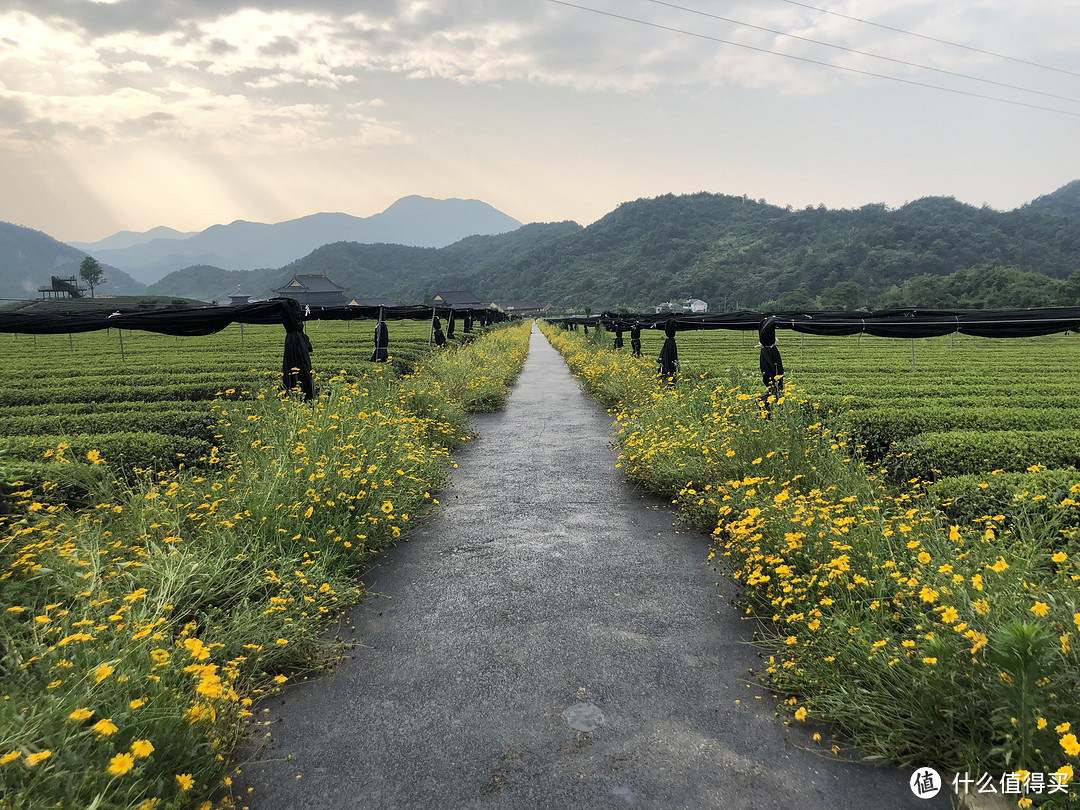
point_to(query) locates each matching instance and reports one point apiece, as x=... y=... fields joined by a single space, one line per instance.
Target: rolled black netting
x=669 y=353
x=382 y=343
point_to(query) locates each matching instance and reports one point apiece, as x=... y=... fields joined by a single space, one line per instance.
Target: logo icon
x=925 y=783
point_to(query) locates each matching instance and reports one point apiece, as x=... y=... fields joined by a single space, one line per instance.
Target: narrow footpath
x=549 y=638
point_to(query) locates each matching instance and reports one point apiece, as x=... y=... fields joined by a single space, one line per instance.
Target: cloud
x=206 y=69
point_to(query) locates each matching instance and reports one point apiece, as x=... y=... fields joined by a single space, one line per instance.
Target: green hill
x=28 y=258
x=736 y=252
x=406 y=274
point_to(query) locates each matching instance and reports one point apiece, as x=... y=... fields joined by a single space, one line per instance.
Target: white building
x=694 y=305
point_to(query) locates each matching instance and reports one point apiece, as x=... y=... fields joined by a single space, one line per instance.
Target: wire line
x=864 y=53
x=912 y=82
x=932 y=39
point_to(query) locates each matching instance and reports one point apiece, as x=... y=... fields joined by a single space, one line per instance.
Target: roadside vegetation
x=145 y=607
x=927 y=624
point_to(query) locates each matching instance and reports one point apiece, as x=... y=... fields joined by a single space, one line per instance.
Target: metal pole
x=801 y=337
x=951 y=335
x=71 y=348
x=431 y=334
x=241 y=334
x=121 y=332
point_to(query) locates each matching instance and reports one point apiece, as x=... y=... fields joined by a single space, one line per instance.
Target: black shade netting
x=296 y=364
x=635 y=341
x=669 y=352
x=450 y=319
x=437 y=332
x=382 y=343
x=618 y=337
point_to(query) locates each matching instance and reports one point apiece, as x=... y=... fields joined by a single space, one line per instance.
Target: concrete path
x=549 y=639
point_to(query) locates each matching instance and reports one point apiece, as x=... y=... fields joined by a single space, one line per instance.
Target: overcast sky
x=127 y=114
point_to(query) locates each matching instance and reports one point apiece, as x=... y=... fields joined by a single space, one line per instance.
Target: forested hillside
x=736 y=252
x=733 y=252
x=407 y=274
x=28 y=258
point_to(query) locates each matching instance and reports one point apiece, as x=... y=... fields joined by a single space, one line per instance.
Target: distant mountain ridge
x=407 y=274
x=413 y=221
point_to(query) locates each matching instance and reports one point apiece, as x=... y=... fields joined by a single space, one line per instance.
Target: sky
x=130 y=114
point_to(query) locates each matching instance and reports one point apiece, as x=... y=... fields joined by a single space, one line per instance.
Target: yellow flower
x=142 y=748
x=1040 y=609
x=817 y=737
x=1066 y=772
x=928 y=594
x=387 y=507
x=34 y=759
x=954 y=533
x=10 y=756
x=930 y=661
x=121 y=764
x=102 y=672
x=137 y=703
x=81 y=714
x=814 y=624
x=94 y=457
x=924 y=558
x=1060 y=557
x=976 y=582
x=185 y=781
x=1070 y=744
x=1041 y=723
x=800 y=714
x=1061 y=728
x=949 y=615
x=309 y=511
x=1000 y=565
x=104 y=727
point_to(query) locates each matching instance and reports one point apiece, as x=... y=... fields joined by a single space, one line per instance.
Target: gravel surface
x=549 y=638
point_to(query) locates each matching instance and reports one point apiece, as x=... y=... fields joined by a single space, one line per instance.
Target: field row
x=149 y=404
x=968 y=405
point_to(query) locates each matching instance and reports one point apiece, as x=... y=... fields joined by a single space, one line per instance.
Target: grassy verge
x=923 y=641
x=136 y=634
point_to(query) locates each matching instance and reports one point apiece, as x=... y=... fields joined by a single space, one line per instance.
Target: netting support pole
x=121 y=333
x=913 y=354
x=241 y=334
x=71 y=348
x=802 y=338
x=951 y=336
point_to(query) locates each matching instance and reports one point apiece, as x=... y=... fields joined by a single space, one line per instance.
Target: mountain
x=1065 y=202
x=126 y=239
x=408 y=274
x=414 y=221
x=28 y=258
x=735 y=252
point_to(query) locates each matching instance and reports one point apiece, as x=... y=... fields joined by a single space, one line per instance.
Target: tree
x=92 y=273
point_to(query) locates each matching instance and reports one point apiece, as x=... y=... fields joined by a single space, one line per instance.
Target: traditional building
x=372 y=302
x=315 y=290
x=526 y=305
x=458 y=299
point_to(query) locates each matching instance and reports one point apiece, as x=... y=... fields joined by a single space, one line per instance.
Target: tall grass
x=136 y=634
x=920 y=639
